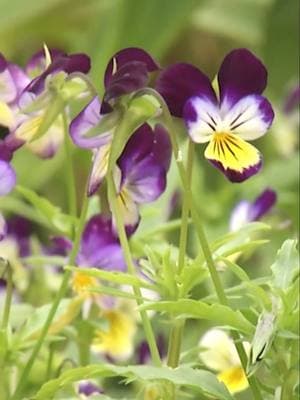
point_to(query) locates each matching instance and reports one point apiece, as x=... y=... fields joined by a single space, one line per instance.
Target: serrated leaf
x=201 y=381
x=187 y=308
x=286 y=265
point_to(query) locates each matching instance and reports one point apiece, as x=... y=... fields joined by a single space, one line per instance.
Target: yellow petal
x=234 y=379
x=29 y=128
x=117 y=341
x=235 y=157
x=81 y=283
x=6 y=116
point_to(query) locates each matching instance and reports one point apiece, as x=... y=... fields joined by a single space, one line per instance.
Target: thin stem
x=131 y=268
x=8 y=297
x=70 y=177
x=177 y=330
x=59 y=295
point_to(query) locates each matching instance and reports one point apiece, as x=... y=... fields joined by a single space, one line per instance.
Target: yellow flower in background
x=117 y=340
x=81 y=283
x=220 y=355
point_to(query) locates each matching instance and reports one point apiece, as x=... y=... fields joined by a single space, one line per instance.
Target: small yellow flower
x=117 y=340
x=221 y=356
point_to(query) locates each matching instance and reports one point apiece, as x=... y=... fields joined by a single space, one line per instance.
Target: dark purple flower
x=245 y=212
x=88 y=388
x=143 y=167
x=100 y=246
x=239 y=114
x=60 y=246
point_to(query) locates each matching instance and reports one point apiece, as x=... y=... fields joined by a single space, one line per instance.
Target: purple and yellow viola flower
x=141 y=171
x=226 y=121
x=127 y=71
x=245 y=211
x=43 y=100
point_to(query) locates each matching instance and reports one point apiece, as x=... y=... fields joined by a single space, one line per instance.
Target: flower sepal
x=140 y=110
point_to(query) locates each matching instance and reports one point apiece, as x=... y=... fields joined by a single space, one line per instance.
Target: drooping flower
x=226 y=121
x=245 y=211
x=93 y=128
x=220 y=355
x=141 y=173
x=41 y=103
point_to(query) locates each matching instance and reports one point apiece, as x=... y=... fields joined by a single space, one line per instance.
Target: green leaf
x=60 y=221
x=201 y=381
x=286 y=265
x=222 y=315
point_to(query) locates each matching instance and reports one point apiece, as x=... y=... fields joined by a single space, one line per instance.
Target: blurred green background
x=196 y=31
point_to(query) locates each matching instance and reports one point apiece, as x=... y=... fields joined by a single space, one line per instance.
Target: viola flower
x=116 y=341
x=220 y=355
x=87 y=388
x=141 y=171
x=245 y=211
x=100 y=248
x=127 y=71
x=41 y=103
x=227 y=121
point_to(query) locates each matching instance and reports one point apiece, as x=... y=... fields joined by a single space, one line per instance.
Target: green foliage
x=199 y=380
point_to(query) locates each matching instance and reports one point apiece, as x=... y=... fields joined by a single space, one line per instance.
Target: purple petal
x=68 y=64
x=237 y=176
x=181 y=81
x=3 y=227
x=88 y=388
x=100 y=248
x=241 y=74
x=7 y=178
x=262 y=205
x=293 y=100
x=19 y=77
x=125 y=56
x=3 y=63
x=37 y=63
x=60 y=246
x=86 y=120
x=5 y=152
x=144 y=163
x=143 y=351
x=20 y=228
x=129 y=78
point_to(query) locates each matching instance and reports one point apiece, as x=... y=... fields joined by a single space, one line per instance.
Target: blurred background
x=196 y=31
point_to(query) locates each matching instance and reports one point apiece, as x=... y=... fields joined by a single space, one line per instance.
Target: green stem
x=59 y=295
x=177 y=330
x=70 y=178
x=131 y=268
x=8 y=297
